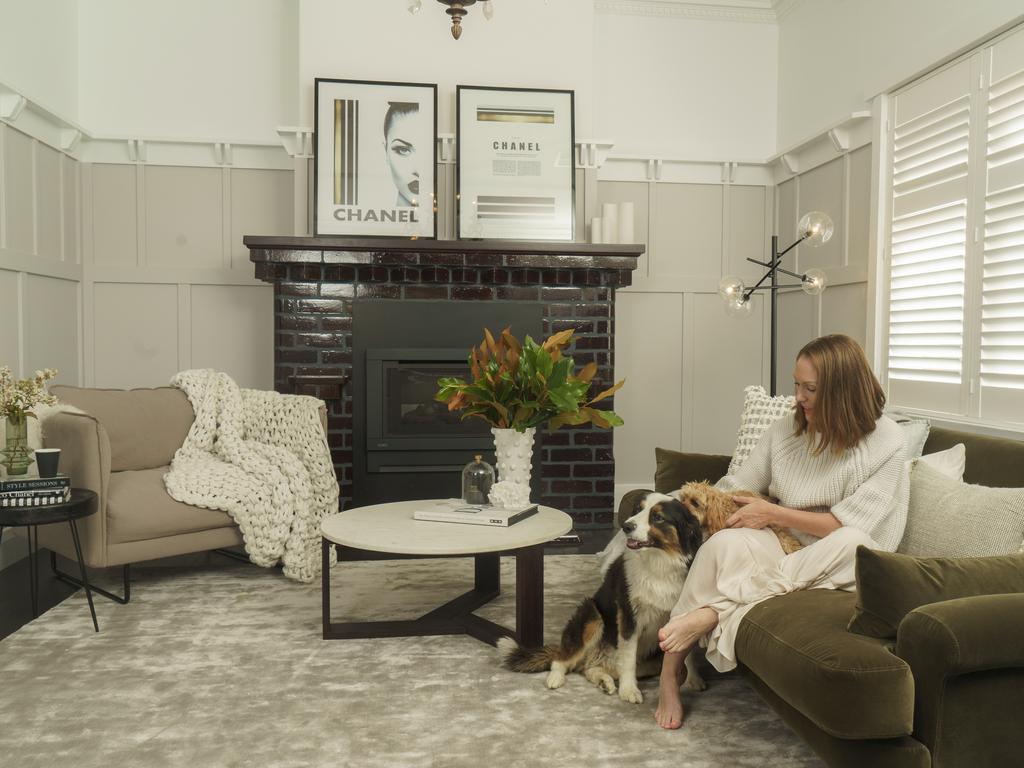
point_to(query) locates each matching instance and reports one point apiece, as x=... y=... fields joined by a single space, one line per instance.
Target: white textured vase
x=514 y=452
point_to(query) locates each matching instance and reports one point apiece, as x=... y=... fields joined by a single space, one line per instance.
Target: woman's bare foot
x=669 y=714
x=682 y=632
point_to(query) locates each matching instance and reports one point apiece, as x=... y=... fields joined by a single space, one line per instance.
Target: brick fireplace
x=320 y=283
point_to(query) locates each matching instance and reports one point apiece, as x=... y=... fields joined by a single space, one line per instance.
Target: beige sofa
x=121 y=448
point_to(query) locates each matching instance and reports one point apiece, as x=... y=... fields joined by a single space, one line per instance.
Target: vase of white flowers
x=17 y=399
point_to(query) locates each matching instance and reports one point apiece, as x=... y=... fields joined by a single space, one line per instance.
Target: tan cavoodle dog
x=713 y=507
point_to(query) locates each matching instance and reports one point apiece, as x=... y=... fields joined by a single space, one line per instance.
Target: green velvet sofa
x=948 y=692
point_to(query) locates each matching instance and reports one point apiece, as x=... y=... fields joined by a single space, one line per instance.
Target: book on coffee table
x=457 y=511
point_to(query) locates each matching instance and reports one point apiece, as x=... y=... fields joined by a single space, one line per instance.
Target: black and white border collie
x=613 y=636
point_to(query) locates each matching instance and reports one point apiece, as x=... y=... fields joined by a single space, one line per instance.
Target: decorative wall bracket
x=137 y=150
x=69 y=138
x=297 y=142
x=222 y=152
x=592 y=154
x=11 y=106
x=446 y=148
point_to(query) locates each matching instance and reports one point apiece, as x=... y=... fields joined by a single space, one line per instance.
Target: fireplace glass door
x=401 y=413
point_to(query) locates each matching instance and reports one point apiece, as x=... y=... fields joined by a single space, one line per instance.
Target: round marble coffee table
x=390 y=528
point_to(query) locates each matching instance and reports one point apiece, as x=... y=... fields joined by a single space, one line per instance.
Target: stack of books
x=35 y=491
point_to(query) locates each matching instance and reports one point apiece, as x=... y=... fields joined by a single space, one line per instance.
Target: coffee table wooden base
x=456 y=617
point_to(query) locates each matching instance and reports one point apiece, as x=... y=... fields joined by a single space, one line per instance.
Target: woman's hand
x=753 y=513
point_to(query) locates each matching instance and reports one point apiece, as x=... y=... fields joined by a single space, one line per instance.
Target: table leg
x=487 y=573
x=81 y=567
x=325 y=586
x=33 y=573
x=530 y=596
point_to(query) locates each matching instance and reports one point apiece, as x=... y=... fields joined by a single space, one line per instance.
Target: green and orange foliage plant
x=518 y=386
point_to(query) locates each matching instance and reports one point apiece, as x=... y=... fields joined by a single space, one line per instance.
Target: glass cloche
x=477 y=479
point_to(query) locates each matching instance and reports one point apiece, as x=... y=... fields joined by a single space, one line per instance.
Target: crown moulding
x=760 y=11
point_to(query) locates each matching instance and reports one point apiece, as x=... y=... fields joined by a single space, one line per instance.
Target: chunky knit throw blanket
x=263 y=458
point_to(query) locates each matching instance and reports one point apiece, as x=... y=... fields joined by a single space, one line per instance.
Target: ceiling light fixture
x=457 y=10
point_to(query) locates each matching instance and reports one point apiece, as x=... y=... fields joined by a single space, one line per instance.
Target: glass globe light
x=815 y=228
x=488 y=10
x=729 y=287
x=813 y=282
x=737 y=306
x=414 y=6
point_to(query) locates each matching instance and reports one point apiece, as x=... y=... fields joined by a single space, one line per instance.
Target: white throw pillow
x=950 y=462
x=915 y=432
x=760 y=411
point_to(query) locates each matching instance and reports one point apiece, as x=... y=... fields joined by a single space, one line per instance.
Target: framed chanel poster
x=516 y=175
x=375 y=150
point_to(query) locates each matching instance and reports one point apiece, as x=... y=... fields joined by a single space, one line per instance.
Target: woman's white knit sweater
x=865 y=486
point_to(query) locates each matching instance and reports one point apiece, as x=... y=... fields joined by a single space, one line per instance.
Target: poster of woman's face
x=376 y=155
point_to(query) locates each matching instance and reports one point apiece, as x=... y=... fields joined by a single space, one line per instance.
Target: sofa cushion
x=889 y=586
x=674 y=469
x=850 y=686
x=145 y=426
x=139 y=508
x=949 y=518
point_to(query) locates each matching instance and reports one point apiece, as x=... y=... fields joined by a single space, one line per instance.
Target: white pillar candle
x=595 y=230
x=610 y=222
x=626 y=222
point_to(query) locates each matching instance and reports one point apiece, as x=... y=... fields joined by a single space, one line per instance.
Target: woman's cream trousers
x=740 y=567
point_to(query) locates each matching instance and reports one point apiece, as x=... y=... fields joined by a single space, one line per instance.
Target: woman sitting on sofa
x=837 y=470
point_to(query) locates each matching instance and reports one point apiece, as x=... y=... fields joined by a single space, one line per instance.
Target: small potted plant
x=517 y=387
x=17 y=399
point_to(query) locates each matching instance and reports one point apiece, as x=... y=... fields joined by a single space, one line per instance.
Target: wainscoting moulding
x=759 y=11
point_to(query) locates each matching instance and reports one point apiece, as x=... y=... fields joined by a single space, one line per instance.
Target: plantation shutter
x=1002 y=283
x=928 y=241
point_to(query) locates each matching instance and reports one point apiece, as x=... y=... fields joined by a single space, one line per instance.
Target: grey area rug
x=225 y=666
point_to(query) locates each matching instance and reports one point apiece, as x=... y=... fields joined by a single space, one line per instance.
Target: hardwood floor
x=16 y=604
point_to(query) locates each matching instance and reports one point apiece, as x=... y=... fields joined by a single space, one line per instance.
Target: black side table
x=80 y=505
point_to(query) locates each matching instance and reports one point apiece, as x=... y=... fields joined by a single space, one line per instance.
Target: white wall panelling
x=52 y=310
x=722 y=355
x=823 y=189
x=10 y=320
x=843 y=311
x=688 y=239
x=840 y=187
x=40 y=269
x=136 y=334
x=231 y=329
x=184 y=217
x=166 y=242
x=686 y=361
x=799 y=322
x=261 y=203
x=19 y=194
x=651 y=402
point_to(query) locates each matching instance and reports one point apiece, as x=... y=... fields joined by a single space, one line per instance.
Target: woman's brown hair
x=850 y=399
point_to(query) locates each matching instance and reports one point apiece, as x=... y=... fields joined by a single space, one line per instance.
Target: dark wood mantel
x=397 y=252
